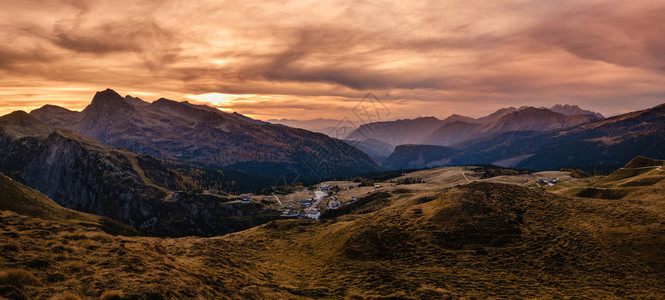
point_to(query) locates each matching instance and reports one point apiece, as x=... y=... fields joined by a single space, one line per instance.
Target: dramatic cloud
x=305 y=59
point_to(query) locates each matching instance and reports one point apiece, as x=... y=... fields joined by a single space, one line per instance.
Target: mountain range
x=601 y=144
x=457 y=128
x=186 y=132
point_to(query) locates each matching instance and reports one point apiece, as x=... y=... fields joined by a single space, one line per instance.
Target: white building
x=313 y=213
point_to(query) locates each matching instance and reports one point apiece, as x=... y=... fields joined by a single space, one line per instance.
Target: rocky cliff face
x=84 y=175
x=21 y=137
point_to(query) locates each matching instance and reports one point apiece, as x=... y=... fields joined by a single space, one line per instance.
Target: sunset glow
x=305 y=60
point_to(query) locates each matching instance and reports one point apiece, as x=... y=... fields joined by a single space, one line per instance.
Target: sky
x=318 y=59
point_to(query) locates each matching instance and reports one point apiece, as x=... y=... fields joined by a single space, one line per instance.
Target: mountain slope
x=451 y=133
x=194 y=133
x=418 y=156
x=496 y=115
x=378 y=150
x=407 y=131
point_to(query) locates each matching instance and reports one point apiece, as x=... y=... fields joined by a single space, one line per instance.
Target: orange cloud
x=304 y=59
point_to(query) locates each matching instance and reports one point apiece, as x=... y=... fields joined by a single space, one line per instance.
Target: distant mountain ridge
x=458 y=128
x=514 y=141
x=376 y=149
x=610 y=142
x=403 y=131
x=196 y=133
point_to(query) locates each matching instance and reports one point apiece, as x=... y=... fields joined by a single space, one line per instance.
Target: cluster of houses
x=547 y=182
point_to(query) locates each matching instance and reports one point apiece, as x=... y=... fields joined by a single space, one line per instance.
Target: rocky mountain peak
x=108 y=101
x=136 y=101
x=571 y=110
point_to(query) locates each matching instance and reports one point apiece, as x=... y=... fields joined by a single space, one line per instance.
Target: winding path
x=467 y=179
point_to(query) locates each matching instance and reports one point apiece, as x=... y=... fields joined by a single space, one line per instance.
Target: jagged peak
x=565 y=106
x=136 y=101
x=108 y=93
x=109 y=100
x=572 y=109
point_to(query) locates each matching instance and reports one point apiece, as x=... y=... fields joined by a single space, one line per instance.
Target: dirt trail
x=137 y=168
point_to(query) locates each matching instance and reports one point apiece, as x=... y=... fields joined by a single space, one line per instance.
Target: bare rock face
x=21 y=137
x=84 y=175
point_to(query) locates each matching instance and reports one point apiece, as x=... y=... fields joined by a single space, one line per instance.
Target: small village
x=309 y=206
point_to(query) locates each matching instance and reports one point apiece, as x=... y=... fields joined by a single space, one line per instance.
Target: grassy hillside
x=440 y=239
